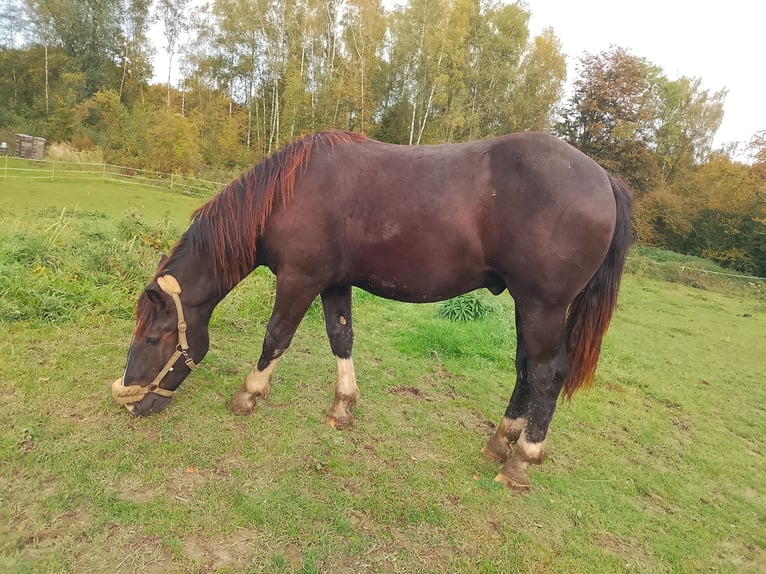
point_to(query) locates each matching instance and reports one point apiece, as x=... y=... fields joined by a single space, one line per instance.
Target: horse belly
x=421 y=267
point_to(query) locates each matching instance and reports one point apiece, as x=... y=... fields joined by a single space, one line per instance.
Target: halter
x=134 y=393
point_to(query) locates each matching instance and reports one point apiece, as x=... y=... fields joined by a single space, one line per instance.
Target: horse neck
x=195 y=275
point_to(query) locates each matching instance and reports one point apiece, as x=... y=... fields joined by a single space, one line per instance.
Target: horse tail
x=591 y=311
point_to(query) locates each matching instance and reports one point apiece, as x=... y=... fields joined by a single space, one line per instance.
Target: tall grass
x=66 y=272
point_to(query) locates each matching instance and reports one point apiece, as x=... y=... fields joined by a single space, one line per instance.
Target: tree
x=757 y=150
x=364 y=29
x=612 y=113
x=135 y=53
x=87 y=31
x=540 y=85
x=688 y=120
x=12 y=22
x=172 y=14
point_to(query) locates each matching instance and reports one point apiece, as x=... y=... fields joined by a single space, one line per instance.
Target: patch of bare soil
x=417 y=548
x=123 y=550
x=627 y=550
x=415 y=392
x=232 y=552
x=473 y=421
x=68 y=526
x=180 y=486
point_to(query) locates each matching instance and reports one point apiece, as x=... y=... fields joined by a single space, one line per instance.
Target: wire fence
x=51 y=170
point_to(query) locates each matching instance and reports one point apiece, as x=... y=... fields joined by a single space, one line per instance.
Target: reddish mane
x=228 y=225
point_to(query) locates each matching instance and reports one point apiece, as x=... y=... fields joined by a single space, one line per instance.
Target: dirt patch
x=659 y=505
x=409 y=392
x=473 y=421
x=180 y=485
x=68 y=525
x=415 y=548
x=625 y=549
x=123 y=550
x=232 y=552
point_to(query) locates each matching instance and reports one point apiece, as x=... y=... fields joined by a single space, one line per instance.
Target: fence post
x=5 y=173
x=103 y=172
x=53 y=169
x=172 y=181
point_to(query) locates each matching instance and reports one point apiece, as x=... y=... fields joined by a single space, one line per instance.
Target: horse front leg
x=547 y=368
x=336 y=302
x=293 y=299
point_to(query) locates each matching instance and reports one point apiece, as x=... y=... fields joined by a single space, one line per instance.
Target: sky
x=721 y=43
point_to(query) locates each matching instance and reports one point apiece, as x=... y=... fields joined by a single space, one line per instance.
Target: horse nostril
x=132 y=410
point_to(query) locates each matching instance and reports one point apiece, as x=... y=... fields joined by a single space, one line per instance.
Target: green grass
x=659 y=468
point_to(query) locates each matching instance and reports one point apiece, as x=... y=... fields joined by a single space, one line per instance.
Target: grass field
x=659 y=468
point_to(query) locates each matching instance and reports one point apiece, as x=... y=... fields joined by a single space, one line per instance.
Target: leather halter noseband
x=134 y=393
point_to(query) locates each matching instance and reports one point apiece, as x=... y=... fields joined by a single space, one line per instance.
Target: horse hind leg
x=290 y=306
x=336 y=302
x=499 y=447
x=547 y=368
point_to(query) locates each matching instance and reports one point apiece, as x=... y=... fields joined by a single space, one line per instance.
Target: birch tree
x=172 y=14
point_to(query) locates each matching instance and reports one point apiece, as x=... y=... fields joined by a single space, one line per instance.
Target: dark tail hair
x=591 y=311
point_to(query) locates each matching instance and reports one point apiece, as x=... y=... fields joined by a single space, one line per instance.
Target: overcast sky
x=722 y=43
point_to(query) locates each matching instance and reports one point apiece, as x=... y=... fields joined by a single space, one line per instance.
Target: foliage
x=464 y=308
x=692 y=271
x=611 y=113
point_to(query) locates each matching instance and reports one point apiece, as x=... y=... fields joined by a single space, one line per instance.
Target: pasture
x=658 y=468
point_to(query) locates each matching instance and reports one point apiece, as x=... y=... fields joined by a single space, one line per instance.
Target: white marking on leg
x=259 y=382
x=346 y=384
x=533 y=451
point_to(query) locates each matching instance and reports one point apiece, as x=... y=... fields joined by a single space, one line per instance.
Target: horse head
x=170 y=338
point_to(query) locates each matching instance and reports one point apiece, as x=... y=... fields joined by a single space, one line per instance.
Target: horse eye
x=153 y=341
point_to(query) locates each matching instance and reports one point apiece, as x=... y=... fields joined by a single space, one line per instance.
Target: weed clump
x=464 y=308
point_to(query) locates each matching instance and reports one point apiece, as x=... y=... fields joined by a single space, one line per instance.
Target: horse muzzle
x=131 y=394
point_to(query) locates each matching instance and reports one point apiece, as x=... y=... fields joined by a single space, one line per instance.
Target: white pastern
x=259 y=382
x=346 y=384
x=533 y=451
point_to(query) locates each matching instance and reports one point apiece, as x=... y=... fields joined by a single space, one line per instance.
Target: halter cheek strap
x=134 y=393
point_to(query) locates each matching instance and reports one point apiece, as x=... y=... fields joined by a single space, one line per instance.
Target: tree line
x=255 y=74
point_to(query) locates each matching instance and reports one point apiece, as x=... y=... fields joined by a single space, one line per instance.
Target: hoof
x=339 y=422
x=339 y=416
x=514 y=476
x=512 y=484
x=239 y=405
x=497 y=450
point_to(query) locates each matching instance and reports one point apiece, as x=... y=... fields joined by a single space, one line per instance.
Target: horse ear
x=162 y=261
x=154 y=293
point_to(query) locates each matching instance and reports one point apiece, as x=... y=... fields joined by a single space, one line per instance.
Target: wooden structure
x=29 y=147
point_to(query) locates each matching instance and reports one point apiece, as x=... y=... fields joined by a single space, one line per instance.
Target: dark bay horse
x=524 y=212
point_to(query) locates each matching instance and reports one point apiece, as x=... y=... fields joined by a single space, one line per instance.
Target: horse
x=525 y=212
